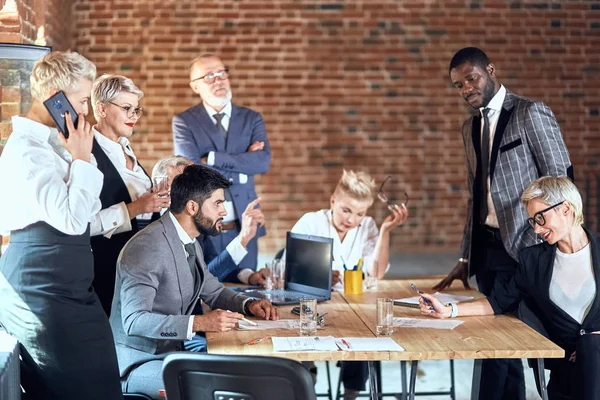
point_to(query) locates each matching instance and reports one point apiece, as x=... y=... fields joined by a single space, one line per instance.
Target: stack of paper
x=264 y=325
x=304 y=343
x=445 y=298
x=427 y=323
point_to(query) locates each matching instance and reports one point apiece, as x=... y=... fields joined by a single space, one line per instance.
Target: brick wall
x=359 y=84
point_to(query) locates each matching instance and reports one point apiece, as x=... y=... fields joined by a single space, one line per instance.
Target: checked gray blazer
x=527 y=144
x=155 y=295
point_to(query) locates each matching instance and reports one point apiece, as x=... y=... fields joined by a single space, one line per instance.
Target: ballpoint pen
x=360 y=264
x=247 y=321
x=257 y=340
x=344 y=261
x=346 y=343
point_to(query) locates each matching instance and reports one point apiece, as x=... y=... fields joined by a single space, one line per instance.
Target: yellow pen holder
x=353 y=282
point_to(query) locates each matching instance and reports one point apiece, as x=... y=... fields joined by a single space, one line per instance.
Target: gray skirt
x=49 y=305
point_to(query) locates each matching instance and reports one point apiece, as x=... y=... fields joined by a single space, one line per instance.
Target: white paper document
x=265 y=325
x=368 y=344
x=442 y=297
x=304 y=343
x=427 y=323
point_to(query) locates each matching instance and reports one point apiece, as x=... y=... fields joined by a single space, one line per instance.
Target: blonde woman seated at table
x=355 y=235
x=560 y=278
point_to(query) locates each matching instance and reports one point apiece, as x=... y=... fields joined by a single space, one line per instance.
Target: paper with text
x=426 y=323
x=265 y=325
x=304 y=343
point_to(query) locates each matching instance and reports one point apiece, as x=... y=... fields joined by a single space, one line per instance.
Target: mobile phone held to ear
x=57 y=106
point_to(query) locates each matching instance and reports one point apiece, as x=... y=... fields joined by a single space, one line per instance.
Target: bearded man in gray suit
x=161 y=274
x=509 y=143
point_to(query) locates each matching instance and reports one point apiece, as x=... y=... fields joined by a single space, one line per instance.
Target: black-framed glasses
x=383 y=197
x=130 y=110
x=210 y=78
x=538 y=218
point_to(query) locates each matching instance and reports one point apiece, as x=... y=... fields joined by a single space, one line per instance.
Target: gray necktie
x=191 y=258
x=220 y=127
x=485 y=164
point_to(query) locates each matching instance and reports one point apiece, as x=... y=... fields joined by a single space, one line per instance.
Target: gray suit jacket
x=155 y=295
x=527 y=144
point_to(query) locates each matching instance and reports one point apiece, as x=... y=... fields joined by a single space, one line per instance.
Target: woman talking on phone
x=128 y=204
x=50 y=193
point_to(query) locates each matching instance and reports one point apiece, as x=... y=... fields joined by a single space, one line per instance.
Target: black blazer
x=532 y=281
x=106 y=251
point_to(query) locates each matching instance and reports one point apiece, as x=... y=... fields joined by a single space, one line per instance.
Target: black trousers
x=501 y=379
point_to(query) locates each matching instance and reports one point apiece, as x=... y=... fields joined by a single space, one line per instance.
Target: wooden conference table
x=354 y=316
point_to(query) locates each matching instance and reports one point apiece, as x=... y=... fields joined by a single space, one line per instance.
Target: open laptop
x=307 y=271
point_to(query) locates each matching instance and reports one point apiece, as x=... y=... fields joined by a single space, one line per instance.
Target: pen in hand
x=247 y=320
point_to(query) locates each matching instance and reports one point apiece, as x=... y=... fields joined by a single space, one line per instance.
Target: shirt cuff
x=210 y=160
x=190 y=334
x=115 y=219
x=243 y=178
x=244 y=275
x=236 y=250
x=244 y=305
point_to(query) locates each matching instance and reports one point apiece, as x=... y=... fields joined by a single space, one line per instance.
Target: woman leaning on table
x=561 y=277
x=49 y=195
x=128 y=204
x=355 y=235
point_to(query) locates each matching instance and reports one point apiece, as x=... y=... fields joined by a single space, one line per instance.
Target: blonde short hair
x=161 y=168
x=552 y=190
x=107 y=87
x=59 y=71
x=358 y=185
x=201 y=57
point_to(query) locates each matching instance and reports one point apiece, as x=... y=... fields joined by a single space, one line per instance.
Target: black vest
x=106 y=251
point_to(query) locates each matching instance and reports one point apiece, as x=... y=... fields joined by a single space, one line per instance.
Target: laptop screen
x=308 y=261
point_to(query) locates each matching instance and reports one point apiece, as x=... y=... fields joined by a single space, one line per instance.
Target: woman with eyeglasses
x=128 y=202
x=559 y=279
x=355 y=236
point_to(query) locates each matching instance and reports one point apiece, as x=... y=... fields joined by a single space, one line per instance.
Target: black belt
x=491 y=234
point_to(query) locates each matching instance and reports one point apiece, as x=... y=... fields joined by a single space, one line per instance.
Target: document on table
x=304 y=343
x=368 y=344
x=426 y=323
x=413 y=302
x=265 y=325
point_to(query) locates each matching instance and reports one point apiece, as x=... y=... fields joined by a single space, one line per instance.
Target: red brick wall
x=357 y=84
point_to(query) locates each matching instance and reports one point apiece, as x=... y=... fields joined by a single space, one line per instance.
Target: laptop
x=307 y=271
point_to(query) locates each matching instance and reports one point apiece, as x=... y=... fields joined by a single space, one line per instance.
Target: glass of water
x=385 y=317
x=308 y=317
x=161 y=185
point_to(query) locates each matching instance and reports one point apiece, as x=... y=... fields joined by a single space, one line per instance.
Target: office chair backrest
x=226 y=377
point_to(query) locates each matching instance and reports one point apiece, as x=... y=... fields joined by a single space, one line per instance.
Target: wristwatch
x=247 y=306
x=454 y=312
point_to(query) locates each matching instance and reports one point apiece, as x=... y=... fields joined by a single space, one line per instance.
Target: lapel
x=236 y=125
x=206 y=124
x=595 y=309
x=182 y=268
x=505 y=114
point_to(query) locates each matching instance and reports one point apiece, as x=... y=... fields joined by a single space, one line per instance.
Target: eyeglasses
x=538 y=217
x=383 y=197
x=131 y=111
x=210 y=78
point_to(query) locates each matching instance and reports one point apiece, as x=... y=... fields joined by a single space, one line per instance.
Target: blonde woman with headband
x=559 y=279
x=355 y=235
x=50 y=194
x=128 y=201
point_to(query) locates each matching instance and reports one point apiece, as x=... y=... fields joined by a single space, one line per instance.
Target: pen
x=257 y=340
x=344 y=261
x=247 y=320
x=346 y=343
x=360 y=263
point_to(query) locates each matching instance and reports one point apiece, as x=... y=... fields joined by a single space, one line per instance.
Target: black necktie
x=485 y=164
x=191 y=258
x=220 y=127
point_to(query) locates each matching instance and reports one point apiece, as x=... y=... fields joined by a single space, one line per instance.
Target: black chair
x=216 y=377
x=136 y=396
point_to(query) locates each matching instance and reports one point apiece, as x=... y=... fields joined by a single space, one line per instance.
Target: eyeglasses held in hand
x=538 y=217
x=210 y=78
x=130 y=111
x=383 y=197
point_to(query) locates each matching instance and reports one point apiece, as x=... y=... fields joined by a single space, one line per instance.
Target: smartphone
x=57 y=106
x=413 y=287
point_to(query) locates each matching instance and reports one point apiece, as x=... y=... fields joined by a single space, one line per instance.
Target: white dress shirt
x=186 y=239
x=358 y=242
x=572 y=287
x=210 y=159
x=115 y=219
x=495 y=106
x=41 y=182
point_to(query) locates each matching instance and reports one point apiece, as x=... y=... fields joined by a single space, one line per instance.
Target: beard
x=488 y=92
x=207 y=226
x=218 y=101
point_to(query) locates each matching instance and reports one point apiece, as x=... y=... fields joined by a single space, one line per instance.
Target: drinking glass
x=161 y=185
x=385 y=317
x=308 y=317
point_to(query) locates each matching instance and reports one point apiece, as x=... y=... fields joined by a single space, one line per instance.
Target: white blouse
x=115 y=219
x=358 y=242
x=41 y=182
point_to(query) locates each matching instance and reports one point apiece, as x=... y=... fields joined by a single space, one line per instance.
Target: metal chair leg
x=452 y=389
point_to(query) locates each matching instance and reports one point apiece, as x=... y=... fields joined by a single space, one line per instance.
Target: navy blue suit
x=221 y=264
x=195 y=135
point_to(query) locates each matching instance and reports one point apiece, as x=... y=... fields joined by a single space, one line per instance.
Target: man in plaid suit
x=509 y=143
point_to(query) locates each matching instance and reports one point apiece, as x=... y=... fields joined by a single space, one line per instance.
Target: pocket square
x=511 y=145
